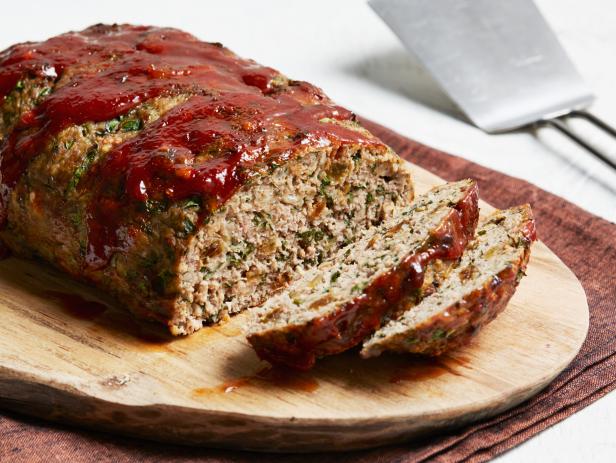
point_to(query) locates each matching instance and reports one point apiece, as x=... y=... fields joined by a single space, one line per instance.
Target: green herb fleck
x=19 y=86
x=439 y=333
x=152 y=206
x=369 y=198
x=334 y=277
x=130 y=125
x=358 y=287
x=112 y=125
x=481 y=232
x=309 y=236
x=192 y=203
x=237 y=256
x=262 y=219
x=82 y=168
x=187 y=227
x=42 y=94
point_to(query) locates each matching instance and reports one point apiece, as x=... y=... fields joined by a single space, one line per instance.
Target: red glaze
x=530 y=231
x=237 y=110
x=352 y=322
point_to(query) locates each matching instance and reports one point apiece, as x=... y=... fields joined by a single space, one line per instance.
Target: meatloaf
x=476 y=290
x=333 y=307
x=186 y=181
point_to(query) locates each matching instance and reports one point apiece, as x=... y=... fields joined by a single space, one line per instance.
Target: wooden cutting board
x=65 y=356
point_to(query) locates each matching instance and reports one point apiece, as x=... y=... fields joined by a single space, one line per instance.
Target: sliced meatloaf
x=332 y=308
x=186 y=181
x=473 y=294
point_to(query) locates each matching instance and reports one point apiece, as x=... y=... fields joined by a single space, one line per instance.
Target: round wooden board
x=97 y=368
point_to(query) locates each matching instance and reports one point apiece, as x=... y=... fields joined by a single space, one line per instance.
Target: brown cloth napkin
x=586 y=243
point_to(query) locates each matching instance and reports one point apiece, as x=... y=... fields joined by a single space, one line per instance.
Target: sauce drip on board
x=420 y=369
x=239 y=117
x=268 y=377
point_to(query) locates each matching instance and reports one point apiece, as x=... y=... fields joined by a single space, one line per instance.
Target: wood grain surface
x=68 y=354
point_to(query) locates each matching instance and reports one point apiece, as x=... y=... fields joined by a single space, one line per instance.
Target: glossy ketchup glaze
x=238 y=117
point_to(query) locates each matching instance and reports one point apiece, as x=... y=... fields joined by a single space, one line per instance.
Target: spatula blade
x=498 y=60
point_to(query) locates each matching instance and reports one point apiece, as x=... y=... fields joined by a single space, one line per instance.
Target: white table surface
x=343 y=47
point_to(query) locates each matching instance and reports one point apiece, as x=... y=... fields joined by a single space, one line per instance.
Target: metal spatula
x=498 y=60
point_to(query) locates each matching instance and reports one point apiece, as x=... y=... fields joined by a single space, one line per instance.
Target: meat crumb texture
x=334 y=306
x=476 y=290
x=397 y=290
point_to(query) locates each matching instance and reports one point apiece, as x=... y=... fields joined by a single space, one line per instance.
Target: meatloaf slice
x=334 y=306
x=184 y=180
x=473 y=294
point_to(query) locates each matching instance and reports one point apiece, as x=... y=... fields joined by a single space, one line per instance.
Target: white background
x=343 y=47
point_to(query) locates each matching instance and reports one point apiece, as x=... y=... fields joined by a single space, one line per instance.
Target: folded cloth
x=586 y=243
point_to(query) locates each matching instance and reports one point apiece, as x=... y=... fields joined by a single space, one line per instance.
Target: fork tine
x=558 y=124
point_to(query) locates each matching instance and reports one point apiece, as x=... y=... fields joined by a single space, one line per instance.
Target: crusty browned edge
x=471 y=313
x=299 y=346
